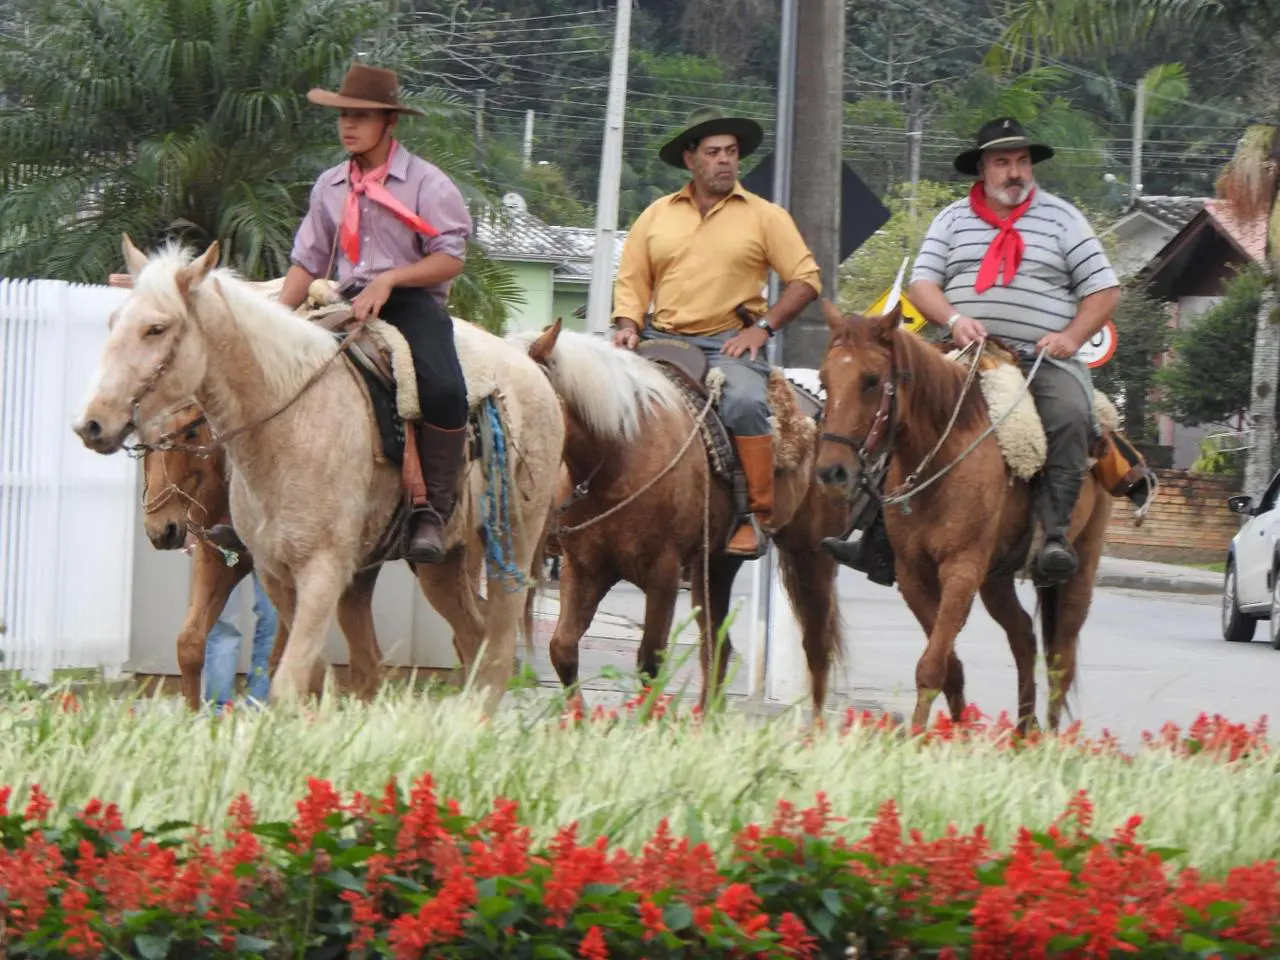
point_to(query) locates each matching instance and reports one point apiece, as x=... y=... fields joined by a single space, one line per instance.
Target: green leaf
x=944 y=934
x=248 y=944
x=353 y=855
x=551 y=952
x=492 y=907
x=151 y=947
x=831 y=900
x=346 y=880
x=822 y=921
x=677 y=916
x=1194 y=943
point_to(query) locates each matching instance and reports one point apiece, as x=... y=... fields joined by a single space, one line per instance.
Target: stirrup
x=762 y=541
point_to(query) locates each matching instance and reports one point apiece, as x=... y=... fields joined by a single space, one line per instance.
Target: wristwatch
x=763 y=324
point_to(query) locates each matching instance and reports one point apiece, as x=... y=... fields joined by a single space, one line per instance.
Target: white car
x=1251 y=583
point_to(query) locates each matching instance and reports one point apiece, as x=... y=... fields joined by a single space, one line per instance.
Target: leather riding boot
x=872 y=554
x=442 y=455
x=756 y=455
x=1057 y=493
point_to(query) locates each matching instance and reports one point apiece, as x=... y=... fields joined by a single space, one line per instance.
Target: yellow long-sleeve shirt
x=697 y=270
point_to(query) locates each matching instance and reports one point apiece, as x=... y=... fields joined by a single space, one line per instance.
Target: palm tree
x=188 y=118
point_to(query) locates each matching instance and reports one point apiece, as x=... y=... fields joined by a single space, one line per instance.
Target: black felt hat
x=707 y=122
x=1003 y=133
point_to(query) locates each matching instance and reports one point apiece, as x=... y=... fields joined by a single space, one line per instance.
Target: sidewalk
x=1148 y=575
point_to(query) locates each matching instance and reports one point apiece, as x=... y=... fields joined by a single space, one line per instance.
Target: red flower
x=593 y=946
x=313 y=809
x=797 y=941
x=651 y=917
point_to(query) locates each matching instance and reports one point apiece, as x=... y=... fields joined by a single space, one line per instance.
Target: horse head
x=154 y=357
x=181 y=486
x=859 y=378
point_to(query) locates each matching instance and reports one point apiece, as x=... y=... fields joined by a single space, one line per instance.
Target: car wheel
x=1236 y=626
x=1275 y=612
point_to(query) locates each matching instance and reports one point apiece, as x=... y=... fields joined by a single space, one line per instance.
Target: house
x=1189 y=272
x=1146 y=227
x=552 y=264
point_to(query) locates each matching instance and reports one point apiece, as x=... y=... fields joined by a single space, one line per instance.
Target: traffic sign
x=912 y=319
x=1099 y=348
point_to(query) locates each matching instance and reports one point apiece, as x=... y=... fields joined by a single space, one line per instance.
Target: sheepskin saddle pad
x=1021 y=434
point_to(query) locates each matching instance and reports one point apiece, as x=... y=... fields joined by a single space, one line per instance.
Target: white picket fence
x=67 y=516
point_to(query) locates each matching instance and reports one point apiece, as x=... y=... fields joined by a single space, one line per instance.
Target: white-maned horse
x=308 y=497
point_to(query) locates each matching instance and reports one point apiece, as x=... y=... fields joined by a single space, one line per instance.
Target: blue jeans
x=222 y=649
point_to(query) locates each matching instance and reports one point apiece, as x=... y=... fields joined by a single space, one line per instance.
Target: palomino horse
x=311 y=496
x=644 y=507
x=889 y=391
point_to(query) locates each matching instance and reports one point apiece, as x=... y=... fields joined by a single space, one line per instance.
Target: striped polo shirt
x=1063 y=262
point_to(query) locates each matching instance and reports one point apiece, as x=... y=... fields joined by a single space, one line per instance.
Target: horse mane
x=288 y=348
x=935 y=384
x=608 y=390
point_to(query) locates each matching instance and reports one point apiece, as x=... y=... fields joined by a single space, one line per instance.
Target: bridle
x=171 y=488
x=874 y=448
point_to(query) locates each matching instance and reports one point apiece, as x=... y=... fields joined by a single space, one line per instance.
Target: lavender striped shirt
x=385 y=242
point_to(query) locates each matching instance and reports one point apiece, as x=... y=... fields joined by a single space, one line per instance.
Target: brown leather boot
x=442 y=455
x=756 y=454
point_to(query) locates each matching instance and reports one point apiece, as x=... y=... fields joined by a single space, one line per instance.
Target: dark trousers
x=428 y=329
x=1067 y=415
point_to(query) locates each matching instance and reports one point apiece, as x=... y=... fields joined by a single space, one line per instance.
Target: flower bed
x=639 y=835
x=410 y=877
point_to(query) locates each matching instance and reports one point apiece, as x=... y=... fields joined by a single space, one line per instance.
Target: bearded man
x=1016 y=262
x=700 y=258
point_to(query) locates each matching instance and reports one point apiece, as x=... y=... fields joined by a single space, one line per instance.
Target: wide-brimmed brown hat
x=1002 y=133
x=708 y=122
x=364 y=88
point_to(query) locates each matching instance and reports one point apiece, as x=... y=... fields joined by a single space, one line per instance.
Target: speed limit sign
x=1099 y=348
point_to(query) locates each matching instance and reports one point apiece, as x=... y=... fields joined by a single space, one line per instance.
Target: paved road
x=1146 y=657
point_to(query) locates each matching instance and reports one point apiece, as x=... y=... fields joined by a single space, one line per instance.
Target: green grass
x=160 y=763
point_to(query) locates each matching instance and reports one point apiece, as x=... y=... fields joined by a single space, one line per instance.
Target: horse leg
x=212 y=583
x=450 y=588
x=662 y=586
x=1065 y=606
x=317 y=588
x=1001 y=601
x=283 y=600
x=809 y=576
x=355 y=617
x=723 y=570
x=958 y=581
x=581 y=592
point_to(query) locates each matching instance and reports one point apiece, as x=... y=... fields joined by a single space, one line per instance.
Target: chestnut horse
x=640 y=508
x=309 y=497
x=971 y=530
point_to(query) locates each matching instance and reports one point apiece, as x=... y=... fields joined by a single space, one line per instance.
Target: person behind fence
x=700 y=254
x=1016 y=262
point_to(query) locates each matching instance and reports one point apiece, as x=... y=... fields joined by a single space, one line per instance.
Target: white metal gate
x=66 y=515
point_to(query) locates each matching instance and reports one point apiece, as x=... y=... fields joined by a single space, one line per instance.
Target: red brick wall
x=1188 y=523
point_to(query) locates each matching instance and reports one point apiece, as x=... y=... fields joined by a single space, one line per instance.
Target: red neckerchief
x=1005 y=253
x=371 y=184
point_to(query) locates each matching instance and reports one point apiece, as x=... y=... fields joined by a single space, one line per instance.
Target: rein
x=166 y=442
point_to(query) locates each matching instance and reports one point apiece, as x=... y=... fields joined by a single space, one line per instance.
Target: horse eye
x=192 y=434
x=156 y=330
x=870 y=380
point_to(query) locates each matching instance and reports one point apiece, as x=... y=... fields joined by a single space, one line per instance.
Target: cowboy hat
x=364 y=88
x=707 y=122
x=1003 y=133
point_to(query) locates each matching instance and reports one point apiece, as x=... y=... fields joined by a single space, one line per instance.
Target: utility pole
x=915 y=133
x=600 y=293
x=817 y=162
x=528 y=137
x=1139 y=116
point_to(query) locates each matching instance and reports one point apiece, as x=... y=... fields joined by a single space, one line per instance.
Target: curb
x=1188 y=585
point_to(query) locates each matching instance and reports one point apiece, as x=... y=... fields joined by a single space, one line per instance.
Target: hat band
x=995 y=143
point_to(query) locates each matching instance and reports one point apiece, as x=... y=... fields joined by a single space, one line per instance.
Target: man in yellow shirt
x=696 y=256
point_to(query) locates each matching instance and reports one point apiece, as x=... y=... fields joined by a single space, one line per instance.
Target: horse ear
x=134 y=258
x=890 y=322
x=540 y=349
x=831 y=313
x=191 y=275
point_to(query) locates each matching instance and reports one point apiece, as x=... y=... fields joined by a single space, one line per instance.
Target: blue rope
x=498 y=547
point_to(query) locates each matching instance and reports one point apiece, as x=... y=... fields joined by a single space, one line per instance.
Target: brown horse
x=888 y=390
x=638 y=506
x=181 y=492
